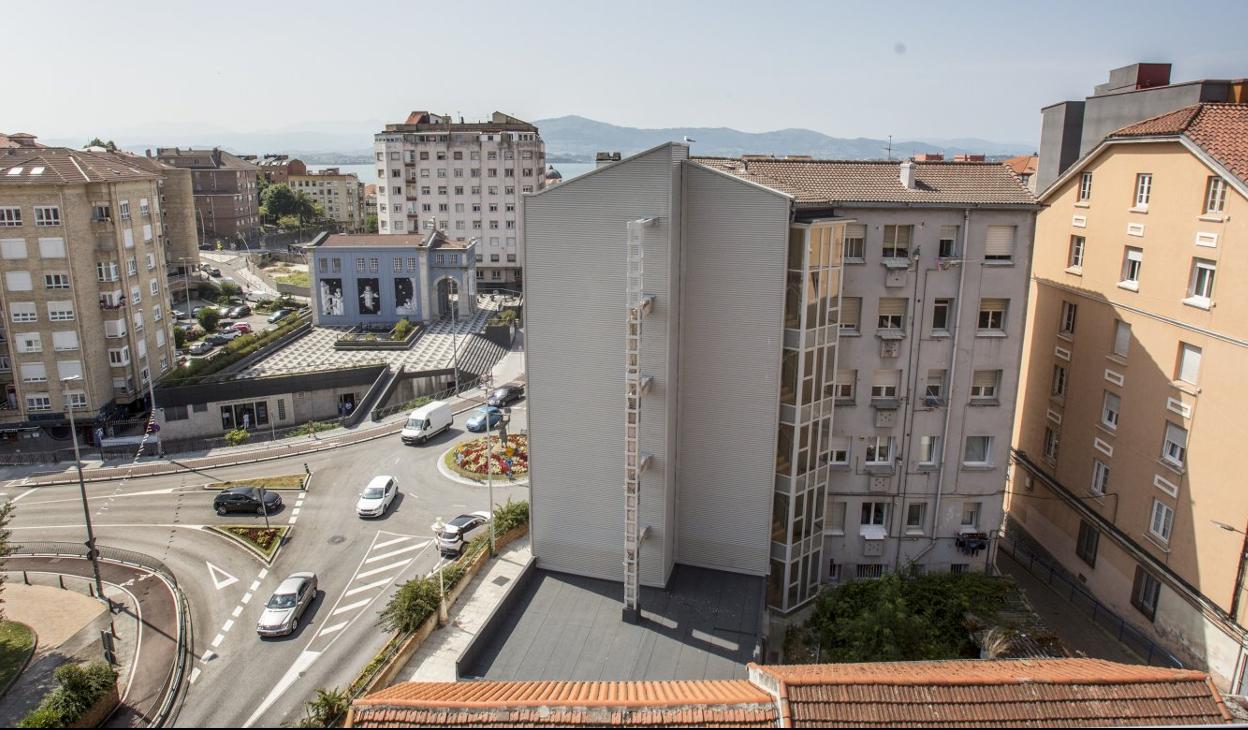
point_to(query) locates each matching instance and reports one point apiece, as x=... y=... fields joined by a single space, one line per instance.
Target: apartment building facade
x=83 y=290
x=1133 y=397
x=277 y=169
x=758 y=449
x=226 y=189
x=179 y=224
x=340 y=194
x=463 y=178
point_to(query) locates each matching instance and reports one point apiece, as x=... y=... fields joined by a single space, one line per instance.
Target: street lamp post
x=92 y=553
x=438 y=527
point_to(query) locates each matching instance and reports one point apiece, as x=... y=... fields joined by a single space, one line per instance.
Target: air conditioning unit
x=890 y=348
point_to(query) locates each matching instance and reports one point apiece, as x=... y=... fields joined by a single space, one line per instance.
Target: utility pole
x=92 y=552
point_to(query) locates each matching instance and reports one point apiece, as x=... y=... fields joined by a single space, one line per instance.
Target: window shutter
x=52 y=248
x=892 y=306
x=34 y=371
x=1000 y=241
x=885 y=377
x=1189 y=368
x=845 y=377
x=948 y=232
x=855 y=230
x=69 y=368
x=985 y=379
x=851 y=309
x=992 y=305
x=13 y=248
x=1122 y=338
x=1135 y=254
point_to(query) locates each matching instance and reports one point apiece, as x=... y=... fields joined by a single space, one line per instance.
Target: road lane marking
x=194 y=675
x=383 y=569
x=229 y=624
x=246 y=598
x=208 y=656
x=255 y=584
x=350 y=607
x=237 y=611
x=387 y=543
x=299 y=667
x=263 y=572
x=368 y=587
x=293 y=519
x=225 y=580
x=392 y=553
x=335 y=628
x=216 y=642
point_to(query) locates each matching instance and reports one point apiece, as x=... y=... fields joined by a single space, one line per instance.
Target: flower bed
x=512 y=462
x=263 y=541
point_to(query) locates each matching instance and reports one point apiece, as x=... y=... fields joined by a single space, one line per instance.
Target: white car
x=460 y=531
x=376 y=497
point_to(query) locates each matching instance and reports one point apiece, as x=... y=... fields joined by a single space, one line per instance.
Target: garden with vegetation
x=899 y=617
x=17 y=643
x=232 y=352
x=510 y=461
x=281 y=481
x=263 y=540
x=79 y=688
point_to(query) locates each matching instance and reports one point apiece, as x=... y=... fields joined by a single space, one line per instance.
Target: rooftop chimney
x=907 y=175
x=606 y=158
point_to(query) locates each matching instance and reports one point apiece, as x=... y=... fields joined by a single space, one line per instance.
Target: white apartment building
x=466 y=179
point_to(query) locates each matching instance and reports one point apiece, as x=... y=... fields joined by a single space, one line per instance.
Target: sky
x=847 y=69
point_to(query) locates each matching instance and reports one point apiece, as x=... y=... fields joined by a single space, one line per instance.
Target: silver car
x=287 y=604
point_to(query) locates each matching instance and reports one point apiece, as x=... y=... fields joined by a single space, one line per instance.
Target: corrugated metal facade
x=731 y=340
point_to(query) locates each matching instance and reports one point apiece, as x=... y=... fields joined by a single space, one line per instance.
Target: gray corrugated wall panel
x=574 y=284
x=731 y=339
x=676 y=266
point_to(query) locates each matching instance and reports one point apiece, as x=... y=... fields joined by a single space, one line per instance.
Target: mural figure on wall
x=370 y=295
x=404 y=297
x=331 y=298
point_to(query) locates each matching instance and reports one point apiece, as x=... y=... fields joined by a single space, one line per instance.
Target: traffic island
x=17 y=646
x=264 y=542
x=279 y=482
x=467 y=461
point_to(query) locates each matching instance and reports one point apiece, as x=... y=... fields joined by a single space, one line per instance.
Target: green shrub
x=329 y=706
x=42 y=717
x=237 y=436
x=79 y=687
x=208 y=319
x=236 y=350
x=312 y=427
x=179 y=337
x=402 y=330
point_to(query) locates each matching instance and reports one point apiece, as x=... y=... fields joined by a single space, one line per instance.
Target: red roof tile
x=1221 y=130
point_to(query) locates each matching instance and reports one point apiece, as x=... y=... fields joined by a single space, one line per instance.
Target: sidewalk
x=435 y=660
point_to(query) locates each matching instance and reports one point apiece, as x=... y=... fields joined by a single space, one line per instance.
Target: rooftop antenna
x=889 y=148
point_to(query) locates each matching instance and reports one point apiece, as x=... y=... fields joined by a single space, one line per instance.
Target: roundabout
x=466 y=462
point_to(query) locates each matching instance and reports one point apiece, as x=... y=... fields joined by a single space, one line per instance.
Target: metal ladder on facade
x=636 y=305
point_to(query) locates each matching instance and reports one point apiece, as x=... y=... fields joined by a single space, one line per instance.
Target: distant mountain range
x=568 y=139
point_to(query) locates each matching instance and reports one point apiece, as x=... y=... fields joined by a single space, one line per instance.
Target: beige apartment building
x=82 y=285
x=226 y=189
x=340 y=194
x=1133 y=383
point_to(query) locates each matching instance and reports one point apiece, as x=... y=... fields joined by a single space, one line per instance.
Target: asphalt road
x=236 y=679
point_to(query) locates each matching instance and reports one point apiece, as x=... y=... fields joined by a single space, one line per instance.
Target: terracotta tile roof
x=712 y=703
x=62 y=166
x=1005 y=693
x=1221 y=130
x=847 y=182
x=1023 y=164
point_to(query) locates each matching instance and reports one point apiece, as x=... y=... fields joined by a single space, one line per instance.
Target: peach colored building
x=1135 y=382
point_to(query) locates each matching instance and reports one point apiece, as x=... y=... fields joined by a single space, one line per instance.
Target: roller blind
x=984 y=379
x=855 y=230
x=851 y=308
x=948 y=232
x=892 y=306
x=13 y=248
x=886 y=377
x=1000 y=242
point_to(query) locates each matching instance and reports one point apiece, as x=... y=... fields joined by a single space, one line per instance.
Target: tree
x=179 y=337
x=97 y=142
x=208 y=319
x=370 y=224
x=279 y=200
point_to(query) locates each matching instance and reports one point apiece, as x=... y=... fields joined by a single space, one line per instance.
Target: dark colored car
x=241 y=310
x=246 y=499
x=280 y=314
x=222 y=338
x=506 y=395
x=478 y=422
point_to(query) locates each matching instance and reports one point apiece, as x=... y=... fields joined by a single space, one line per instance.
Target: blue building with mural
x=376 y=279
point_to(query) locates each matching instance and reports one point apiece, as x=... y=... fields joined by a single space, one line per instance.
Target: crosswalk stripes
x=389 y=555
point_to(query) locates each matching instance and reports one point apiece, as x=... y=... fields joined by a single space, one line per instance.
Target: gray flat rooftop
x=566 y=627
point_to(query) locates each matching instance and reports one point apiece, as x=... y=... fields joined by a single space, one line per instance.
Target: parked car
x=506 y=395
x=426 y=422
x=222 y=338
x=214 y=272
x=280 y=315
x=460 y=531
x=203 y=347
x=224 y=324
x=287 y=605
x=196 y=311
x=376 y=497
x=178 y=314
x=485 y=418
x=246 y=499
x=241 y=328
x=238 y=312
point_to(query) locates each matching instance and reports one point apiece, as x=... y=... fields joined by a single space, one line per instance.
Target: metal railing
x=1056 y=577
x=464 y=384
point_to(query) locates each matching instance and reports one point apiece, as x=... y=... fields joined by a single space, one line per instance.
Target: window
x=992 y=315
x=38 y=402
x=1085 y=187
x=77 y=400
x=47 y=215
x=151 y=261
x=1122 y=338
x=34 y=372
x=52 y=248
x=13 y=248
x=1059 y=381
x=1143 y=190
x=836 y=518
x=10 y=217
x=978 y=451
x=897 y=241
x=880 y=450
x=1189 y=363
x=1089 y=538
x=101 y=213
x=970 y=515
x=1100 y=477
x=999 y=244
x=1174 y=448
x=885 y=383
x=839 y=452
x=1050 y=444
x=143 y=207
x=61 y=311
x=916 y=516
x=153 y=287
x=942 y=312
x=984 y=384
x=1215 y=195
x=1162 y=522
x=23 y=312
x=947 y=248
x=1144 y=592
x=157 y=313
x=1069 y=312
x=119 y=356
x=935 y=387
x=18 y=281
x=851 y=310
x=929 y=450
x=124 y=208
x=65 y=341
x=1200 y=288
x=855 y=243
x=843 y=387
x=1074 y=259
x=874 y=513
x=56 y=281
x=892 y=313
x=1110 y=410
x=1132 y=262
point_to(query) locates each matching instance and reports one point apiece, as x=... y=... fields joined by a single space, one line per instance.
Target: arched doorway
x=448 y=298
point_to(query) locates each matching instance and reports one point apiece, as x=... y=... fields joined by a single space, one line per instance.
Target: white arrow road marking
x=296 y=670
x=225 y=580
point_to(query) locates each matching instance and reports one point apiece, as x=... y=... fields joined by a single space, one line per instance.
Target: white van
x=427 y=421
